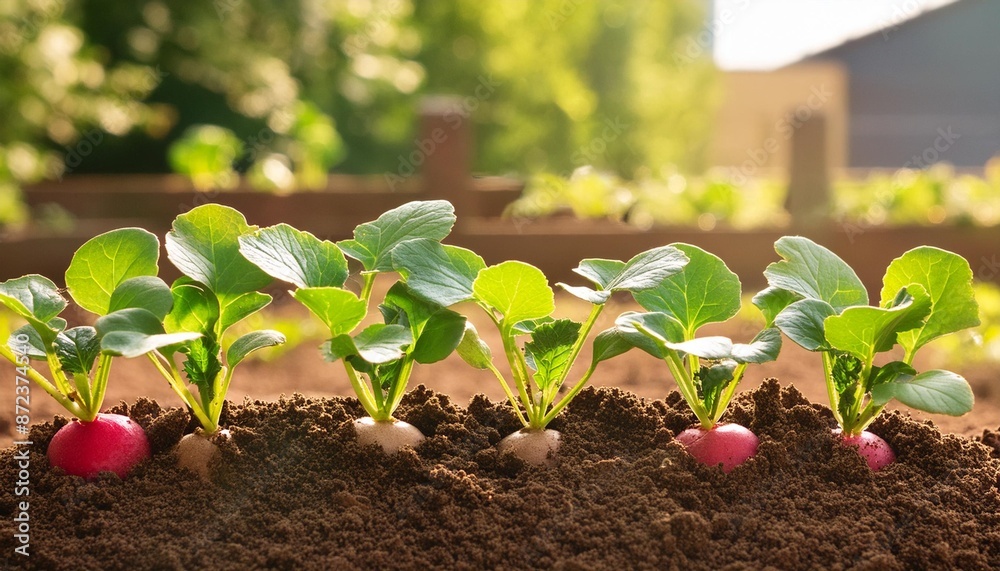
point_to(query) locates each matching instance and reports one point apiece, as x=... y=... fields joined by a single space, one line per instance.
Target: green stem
x=40 y=380
x=688 y=390
x=361 y=390
x=399 y=388
x=831 y=388
x=82 y=383
x=176 y=383
x=219 y=396
x=569 y=397
x=58 y=376
x=510 y=395
x=100 y=387
x=366 y=288
x=722 y=403
x=519 y=368
x=866 y=417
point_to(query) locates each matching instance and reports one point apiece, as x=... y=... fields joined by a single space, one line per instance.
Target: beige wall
x=760 y=111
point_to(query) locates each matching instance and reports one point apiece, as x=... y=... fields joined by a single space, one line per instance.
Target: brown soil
x=295 y=491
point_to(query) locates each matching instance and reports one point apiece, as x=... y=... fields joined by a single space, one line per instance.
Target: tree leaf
x=706 y=291
x=77 y=349
x=938 y=392
x=295 y=256
x=764 y=347
x=473 y=350
x=339 y=309
x=549 y=351
x=438 y=273
x=102 y=263
x=376 y=344
x=440 y=335
x=803 y=323
x=204 y=245
x=517 y=290
x=865 y=331
x=772 y=300
x=947 y=278
x=147 y=292
x=373 y=241
x=250 y=342
x=815 y=272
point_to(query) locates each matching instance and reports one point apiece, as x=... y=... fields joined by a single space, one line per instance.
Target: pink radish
x=727 y=444
x=109 y=443
x=876 y=452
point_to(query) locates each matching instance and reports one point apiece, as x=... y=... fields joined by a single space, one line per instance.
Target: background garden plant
x=926 y=293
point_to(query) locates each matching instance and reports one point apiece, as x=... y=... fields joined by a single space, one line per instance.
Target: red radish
x=535 y=447
x=726 y=444
x=876 y=452
x=109 y=443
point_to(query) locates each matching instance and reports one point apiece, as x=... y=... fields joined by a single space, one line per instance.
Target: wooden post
x=445 y=144
x=808 y=196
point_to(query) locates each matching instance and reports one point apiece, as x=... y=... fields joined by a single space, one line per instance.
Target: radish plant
x=707 y=369
x=112 y=272
x=380 y=358
x=218 y=289
x=518 y=300
x=926 y=293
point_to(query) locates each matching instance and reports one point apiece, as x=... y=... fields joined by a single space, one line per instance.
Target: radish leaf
x=516 y=290
x=295 y=257
x=104 y=262
x=147 y=292
x=339 y=309
x=644 y=271
x=135 y=331
x=815 y=272
x=373 y=241
x=936 y=391
x=441 y=274
x=803 y=323
x=376 y=344
x=865 y=331
x=772 y=300
x=549 y=351
x=77 y=349
x=438 y=336
x=251 y=342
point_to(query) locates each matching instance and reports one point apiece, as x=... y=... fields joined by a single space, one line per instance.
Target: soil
x=294 y=490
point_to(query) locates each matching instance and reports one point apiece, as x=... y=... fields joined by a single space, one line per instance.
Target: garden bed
x=297 y=492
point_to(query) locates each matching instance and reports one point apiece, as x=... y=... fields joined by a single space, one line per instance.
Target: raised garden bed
x=296 y=491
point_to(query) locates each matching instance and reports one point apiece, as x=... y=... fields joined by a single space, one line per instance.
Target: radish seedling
x=517 y=298
x=926 y=293
x=379 y=359
x=218 y=289
x=707 y=369
x=112 y=272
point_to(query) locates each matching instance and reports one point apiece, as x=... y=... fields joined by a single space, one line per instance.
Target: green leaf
x=203 y=366
x=195 y=309
x=712 y=380
x=947 y=278
x=713 y=348
x=815 y=272
x=438 y=273
x=339 y=309
x=772 y=300
x=706 y=291
x=888 y=373
x=473 y=350
x=251 y=342
x=373 y=241
x=102 y=263
x=439 y=336
x=528 y=326
x=938 y=392
x=135 y=331
x=401 y=299
x=644 y=271
x=609 y=344
x=34 y=348
x=650 y=331
x=803 y=323
x=147 y=292
x=376 y=344
x=77 y=349
x=865 y=331
x=846 y=372
x=295 y=256
x=517 y=290
x=764 y=347
x=204 y=245
x=32 y=297
x=549 y=351
x=240 y=307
